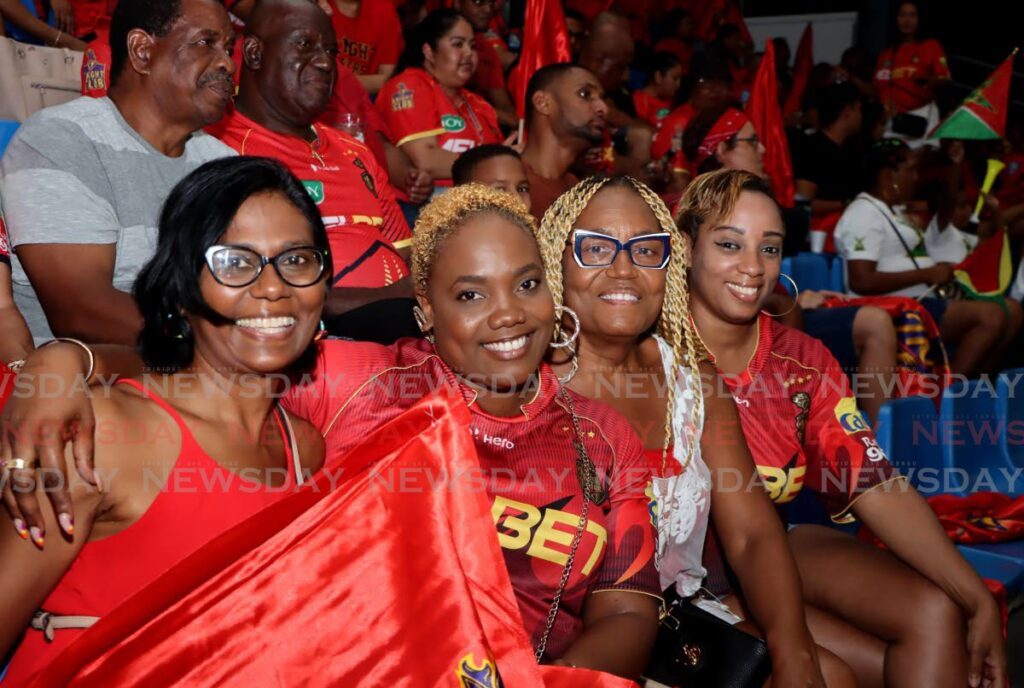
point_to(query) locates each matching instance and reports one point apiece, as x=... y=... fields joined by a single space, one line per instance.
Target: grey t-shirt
x=79 y=174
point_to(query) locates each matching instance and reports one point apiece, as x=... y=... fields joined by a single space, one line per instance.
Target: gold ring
x=16 y=464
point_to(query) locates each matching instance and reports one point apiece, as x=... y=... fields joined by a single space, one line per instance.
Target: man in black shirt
x=827 y=171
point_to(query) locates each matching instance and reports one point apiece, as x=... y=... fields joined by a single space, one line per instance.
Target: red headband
x=727 y=126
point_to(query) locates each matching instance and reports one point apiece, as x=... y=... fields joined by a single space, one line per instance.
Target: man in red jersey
x=287 y=78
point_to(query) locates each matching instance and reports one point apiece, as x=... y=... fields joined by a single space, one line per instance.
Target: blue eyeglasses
x=597 y=250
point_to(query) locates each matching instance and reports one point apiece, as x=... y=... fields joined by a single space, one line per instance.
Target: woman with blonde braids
x=614 y=256
x=574 y=526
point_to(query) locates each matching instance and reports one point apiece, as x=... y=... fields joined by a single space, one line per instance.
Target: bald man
x=607 y=54
x=288 y=72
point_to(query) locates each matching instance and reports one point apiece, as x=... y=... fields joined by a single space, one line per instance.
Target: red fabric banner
x=764 y=111
x=387 y=574
x=802 y=64
x=545 y=41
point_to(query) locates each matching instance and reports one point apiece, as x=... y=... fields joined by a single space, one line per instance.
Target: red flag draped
x=389 y=574
x=802 y=64
x=545 y=41
x=764 y=111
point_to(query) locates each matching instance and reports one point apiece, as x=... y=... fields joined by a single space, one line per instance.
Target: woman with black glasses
x=230 y=303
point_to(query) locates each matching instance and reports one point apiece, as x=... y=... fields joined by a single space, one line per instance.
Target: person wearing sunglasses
x=230 y=304
x=614 y=256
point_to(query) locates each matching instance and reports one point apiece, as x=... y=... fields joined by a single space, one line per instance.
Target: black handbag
x=696 y=649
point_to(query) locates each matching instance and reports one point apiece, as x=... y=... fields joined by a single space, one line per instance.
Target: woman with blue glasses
x=614 y=256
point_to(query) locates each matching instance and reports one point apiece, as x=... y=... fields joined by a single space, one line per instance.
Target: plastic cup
x=818 y=241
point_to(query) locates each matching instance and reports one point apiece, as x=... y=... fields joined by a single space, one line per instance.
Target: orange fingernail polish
x=37 y=536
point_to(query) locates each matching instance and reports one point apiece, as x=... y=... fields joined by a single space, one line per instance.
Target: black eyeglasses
x=597 y=250
x=237 y=266
x=752 y=140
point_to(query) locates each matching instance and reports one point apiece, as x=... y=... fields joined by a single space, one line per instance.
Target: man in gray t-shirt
x=83 y=183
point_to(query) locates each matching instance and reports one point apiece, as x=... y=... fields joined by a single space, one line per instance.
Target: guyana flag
x=987 y=271
x=983 y=114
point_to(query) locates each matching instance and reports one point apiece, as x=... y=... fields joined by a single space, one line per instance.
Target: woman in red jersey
x=430 y=113
x=186 y=453
x=574 y=525
x=909 y=70
x=616 y=258
x=916 y=614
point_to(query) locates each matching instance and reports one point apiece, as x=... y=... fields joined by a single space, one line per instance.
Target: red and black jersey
x=528 y=469
x=650 y=108
x=802 y=424
x=364 y=224
x=902 y=74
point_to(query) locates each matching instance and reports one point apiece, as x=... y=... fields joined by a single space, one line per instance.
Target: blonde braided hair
x=440 y=218
x=674 y=325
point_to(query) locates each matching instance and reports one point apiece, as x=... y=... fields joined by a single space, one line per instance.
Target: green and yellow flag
x=983 y=114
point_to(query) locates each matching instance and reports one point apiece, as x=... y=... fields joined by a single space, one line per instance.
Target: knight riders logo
x=366 y=177
x=472 y=675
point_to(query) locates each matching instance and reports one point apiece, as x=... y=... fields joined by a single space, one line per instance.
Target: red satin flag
x=388 y=574
x=982 y=517
x=764 y=111
x=545 y=41
x=802 y=65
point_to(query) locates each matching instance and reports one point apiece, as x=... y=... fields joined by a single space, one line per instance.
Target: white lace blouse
x=684 y=500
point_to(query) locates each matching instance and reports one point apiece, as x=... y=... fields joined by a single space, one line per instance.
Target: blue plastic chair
x=1010 y=414
x=970 y=439
x=989 y=565
x=837 y=275
x=7 y=129
x=787 y=269
x=910 y=434
x=810 y=271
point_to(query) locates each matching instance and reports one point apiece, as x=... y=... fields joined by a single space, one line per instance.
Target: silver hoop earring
x=560 y=313
x=421 y=322
x=796 y=295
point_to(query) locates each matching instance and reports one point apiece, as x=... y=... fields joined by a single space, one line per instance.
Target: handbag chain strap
x=586 y=474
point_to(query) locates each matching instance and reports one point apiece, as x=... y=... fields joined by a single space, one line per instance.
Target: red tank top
x=200 y=500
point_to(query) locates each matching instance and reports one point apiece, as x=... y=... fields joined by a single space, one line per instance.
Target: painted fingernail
x=67 y=524
x=22 y=529
x=37 y=536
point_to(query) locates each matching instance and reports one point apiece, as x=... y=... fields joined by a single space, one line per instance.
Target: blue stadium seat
x=998 y=568
x=787 y=269
x=910 y=435
x=837 y=275
x=970 y=438
x=7 y=129
x=1010 y=413
x=810 y=271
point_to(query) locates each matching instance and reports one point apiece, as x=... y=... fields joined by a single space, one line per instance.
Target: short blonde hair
x=674 y=325
x=713 y=195
x=440 y=219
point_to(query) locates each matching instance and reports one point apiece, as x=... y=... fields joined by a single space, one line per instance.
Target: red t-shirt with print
x=900 y=70
x=370 y=39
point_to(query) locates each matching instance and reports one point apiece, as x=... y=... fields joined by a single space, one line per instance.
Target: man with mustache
x=288 y=71
x=565 y=116
x=83 y=183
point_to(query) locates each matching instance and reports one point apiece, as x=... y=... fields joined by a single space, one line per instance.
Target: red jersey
x=370 y=39
x=489 y=72
x=528 y=463
x=364 y=223
x=802 y=423
x=670 y=134
x=89 y=14
x=200 y=500
x=903 y=71
x=414 y=106
x=649 y=108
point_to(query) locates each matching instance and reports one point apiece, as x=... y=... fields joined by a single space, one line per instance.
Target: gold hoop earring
x=796 y=295
x=561 y=312
x=421 y=322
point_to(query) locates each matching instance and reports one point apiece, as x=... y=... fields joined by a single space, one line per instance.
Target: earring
x=560 y=313
x=796 y=295
x=321 y=333
x=573 y=369
x=421 y=322
x=179 y=324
